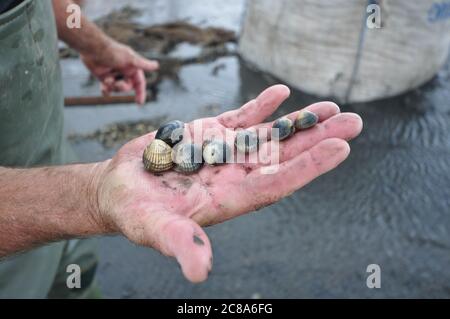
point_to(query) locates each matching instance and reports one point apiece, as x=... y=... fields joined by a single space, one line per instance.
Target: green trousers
x=31 y=134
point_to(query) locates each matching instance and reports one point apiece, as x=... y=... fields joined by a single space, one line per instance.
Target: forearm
x=89 y=38
x=43 y=205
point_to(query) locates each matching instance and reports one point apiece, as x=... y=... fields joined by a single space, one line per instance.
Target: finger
x=180 y=237
x=145 y=64
x=140 y=86
x=123 y=86
x=257 y=110
x=108 y=80
x=117 y=86
x=107 y=85
x=106 y=90
x=345 y=126
x=280 y=180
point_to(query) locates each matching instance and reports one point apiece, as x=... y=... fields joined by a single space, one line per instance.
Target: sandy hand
x=168 y=212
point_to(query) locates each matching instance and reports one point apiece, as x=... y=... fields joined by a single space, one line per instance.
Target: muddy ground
x=387 y=204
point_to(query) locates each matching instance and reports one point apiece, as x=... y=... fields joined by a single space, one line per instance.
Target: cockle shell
x=305 y=120
x=246 y=141
x=157 y=157
x=216 y=152
x=171 y=133
x=282 y=129
x=188 y=158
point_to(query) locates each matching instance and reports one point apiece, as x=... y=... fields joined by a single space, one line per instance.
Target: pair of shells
x=187 y=158
x=285 y=127
x=159 y=155
x=184 y=158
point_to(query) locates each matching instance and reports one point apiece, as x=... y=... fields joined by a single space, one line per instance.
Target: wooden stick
x=99 y=100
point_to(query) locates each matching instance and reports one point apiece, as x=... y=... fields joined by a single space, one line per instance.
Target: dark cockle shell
x=157 y=157
x=188 y=158
x=282 y=129
x=216 y=152
x=305 y=120
x=171 y=133
x=246 y=141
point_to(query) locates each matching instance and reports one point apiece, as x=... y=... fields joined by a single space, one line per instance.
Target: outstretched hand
x=167 y=212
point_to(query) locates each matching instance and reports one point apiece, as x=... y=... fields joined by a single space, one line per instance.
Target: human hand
x=120 y=69
x=167 y=212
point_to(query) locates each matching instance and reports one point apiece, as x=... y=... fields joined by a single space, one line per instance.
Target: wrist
x=89 y=40
x=97 y=48
x=100 y=224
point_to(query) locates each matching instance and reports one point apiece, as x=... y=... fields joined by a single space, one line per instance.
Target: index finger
x=140 y=86
x=257 y=110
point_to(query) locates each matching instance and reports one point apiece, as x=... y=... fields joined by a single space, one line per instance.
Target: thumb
x=182 y=238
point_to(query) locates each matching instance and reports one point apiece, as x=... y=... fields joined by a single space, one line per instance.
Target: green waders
x=31 y=134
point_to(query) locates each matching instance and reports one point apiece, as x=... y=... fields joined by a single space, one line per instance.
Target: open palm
x=167 y=212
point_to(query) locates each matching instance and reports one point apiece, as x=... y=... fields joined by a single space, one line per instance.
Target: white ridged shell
x=158 y=157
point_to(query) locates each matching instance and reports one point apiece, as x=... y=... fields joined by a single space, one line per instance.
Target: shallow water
x=388 y=204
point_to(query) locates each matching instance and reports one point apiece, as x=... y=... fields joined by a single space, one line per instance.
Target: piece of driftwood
x=324 y=47
x=98 y=100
